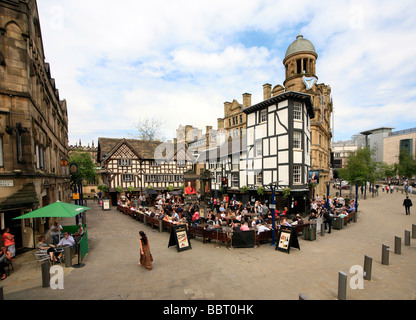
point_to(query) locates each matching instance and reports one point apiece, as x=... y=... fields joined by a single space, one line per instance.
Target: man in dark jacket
x=407 y=203
x=327 y=220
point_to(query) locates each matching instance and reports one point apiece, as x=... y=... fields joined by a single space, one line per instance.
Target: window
x=259 y=178
x=128 y=177
x=297 y=140
x=124 y=162
x=297 y=111
x=297 y=174
x=229 y=122
x=241 y=118
x=234 y=180
x=263 y=115
x=259 y=148
x=1 y=152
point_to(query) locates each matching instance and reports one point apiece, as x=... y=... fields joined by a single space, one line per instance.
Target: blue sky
x=179 y=61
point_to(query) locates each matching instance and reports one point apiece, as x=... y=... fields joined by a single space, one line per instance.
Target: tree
x=149 y=129
x=360 y=167
x=86 y=168
x=407 y=165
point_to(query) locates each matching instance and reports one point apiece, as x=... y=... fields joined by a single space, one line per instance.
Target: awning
x=25 y=197
x=55 y=210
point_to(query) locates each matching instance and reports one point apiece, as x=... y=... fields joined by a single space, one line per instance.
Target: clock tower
x=300 y=69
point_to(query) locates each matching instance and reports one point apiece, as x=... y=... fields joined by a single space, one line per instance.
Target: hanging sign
x=179 y=237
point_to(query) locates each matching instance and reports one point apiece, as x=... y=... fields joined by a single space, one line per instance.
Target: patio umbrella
x=55 y=210
x=150 y=191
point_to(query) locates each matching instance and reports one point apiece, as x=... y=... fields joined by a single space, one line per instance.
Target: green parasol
x=55 y=210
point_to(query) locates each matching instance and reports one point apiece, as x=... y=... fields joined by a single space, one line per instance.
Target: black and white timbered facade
x=131 y=163
x=276 y=148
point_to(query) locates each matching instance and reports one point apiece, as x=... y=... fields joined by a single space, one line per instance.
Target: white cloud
x=181 y=60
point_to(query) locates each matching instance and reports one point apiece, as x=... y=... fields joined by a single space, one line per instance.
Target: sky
x=117 y=62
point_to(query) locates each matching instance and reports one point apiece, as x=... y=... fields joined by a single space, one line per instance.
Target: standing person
x=146 y=258
x=56 y=232
x=327 y=220
x=5 y=256
x=8 y=241
x=407 y=203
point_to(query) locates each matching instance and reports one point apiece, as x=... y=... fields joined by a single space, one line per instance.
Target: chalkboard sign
x=287 y=238
x=179 y=237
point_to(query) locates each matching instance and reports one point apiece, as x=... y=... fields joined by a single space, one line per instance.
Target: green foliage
x=130 y=189
x=260 y=191
x=244 y=189
x=86 y=167
x=286 y=193
x=407 y=165
x=119 y=189
x=170 y=188
x=360 y=168
x=149 y=187
x=103 y=188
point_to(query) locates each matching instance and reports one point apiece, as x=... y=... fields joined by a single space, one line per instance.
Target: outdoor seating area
x=224 y=228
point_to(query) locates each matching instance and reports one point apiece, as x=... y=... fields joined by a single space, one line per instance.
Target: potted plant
x=286 y=193
x=260 y=191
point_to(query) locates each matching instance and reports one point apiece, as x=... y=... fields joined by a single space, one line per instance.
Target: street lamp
x=356 y=194
x=273 y=206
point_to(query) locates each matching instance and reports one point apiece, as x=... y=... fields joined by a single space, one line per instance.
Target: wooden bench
x=196 y=231
x=265 y=236
x=216 y=235
x=153 y=221
x=167 y=225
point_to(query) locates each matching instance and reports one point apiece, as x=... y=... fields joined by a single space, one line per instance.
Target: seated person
x=67 y=240
x=261 y=228
x=244 y=227
x=50 y=249
x=283 y=222
x=5 y=256
x=80 y=231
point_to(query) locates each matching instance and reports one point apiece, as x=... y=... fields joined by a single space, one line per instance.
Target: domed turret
x=300 y=45
x=299 y=62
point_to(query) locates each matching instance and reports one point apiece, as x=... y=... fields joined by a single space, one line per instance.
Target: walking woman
x=145 y=255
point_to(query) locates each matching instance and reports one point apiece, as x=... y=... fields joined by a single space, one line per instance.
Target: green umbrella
x=55 y=210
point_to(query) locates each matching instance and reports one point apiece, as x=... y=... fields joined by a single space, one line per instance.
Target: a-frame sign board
x=287 y=238
x=179 y=237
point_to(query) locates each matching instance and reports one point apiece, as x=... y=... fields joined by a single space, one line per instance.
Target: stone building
x=33 y=125
x=300 y=76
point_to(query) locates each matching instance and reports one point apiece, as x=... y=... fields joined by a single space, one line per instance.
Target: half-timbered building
x=275 y=152
x=142 y=165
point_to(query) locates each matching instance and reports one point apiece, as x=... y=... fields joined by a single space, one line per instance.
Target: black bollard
x=397 y=245
x=413 y=231
x=46 y=277
x=342 y=286
x=406 y=237
x=322 y=229
x=368 y=262
x=68 y=258
x=1 y=294
x=385 y=255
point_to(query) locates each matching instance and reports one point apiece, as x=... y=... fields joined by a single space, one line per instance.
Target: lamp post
x=356 y=194
x=327 y=195
x=273 y=207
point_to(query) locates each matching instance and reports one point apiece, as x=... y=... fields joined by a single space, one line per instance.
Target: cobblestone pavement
x=207 y=272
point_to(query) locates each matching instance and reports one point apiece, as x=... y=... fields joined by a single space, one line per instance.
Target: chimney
x=246 y=100
x=267 y=91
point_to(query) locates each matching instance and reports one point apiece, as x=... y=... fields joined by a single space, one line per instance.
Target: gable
x=124 y=152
